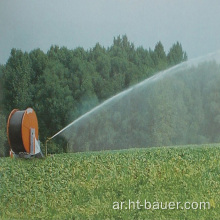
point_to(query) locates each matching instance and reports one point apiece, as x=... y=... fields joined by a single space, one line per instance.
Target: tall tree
x=159 y=57
x=17 y=81
x=176 y=54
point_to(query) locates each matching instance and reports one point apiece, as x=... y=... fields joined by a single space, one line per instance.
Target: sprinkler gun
x=49 y=138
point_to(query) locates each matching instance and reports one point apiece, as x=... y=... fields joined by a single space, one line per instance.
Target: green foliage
x=85 y=185
x=176 y=54
x=17 y=81
x=3 y=148
x=159 y=57
x=53 y=99
x=39 y=62
x=1 y=85
x=2 y=136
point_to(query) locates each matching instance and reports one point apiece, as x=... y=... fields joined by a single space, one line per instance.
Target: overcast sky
x=31 y=24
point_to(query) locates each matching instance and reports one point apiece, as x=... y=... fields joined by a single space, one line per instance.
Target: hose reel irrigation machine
x=22 y=131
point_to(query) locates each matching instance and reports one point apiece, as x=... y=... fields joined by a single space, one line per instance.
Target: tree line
x=63 y=84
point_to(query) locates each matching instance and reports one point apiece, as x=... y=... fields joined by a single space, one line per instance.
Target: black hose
x=15 y=135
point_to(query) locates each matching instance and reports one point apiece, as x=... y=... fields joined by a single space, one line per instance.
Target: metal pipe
x=48 y=139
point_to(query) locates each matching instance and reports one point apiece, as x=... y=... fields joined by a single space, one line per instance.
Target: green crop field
x=93 y=185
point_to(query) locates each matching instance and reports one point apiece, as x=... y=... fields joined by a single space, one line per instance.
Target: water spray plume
x=180 y=105
x=88 y=113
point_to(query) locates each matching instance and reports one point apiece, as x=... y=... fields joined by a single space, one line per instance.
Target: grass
x=86 y=185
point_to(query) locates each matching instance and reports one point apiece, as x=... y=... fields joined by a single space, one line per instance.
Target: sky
x=31 y=24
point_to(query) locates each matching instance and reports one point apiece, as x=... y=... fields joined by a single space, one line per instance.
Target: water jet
x=177 y=106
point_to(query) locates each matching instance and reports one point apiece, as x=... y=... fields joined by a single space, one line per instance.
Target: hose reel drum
x=22 y=131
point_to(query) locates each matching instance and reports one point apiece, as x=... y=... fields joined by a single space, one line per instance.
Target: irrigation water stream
x=177 y=106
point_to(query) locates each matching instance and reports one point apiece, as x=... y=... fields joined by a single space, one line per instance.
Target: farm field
x=89 y=185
